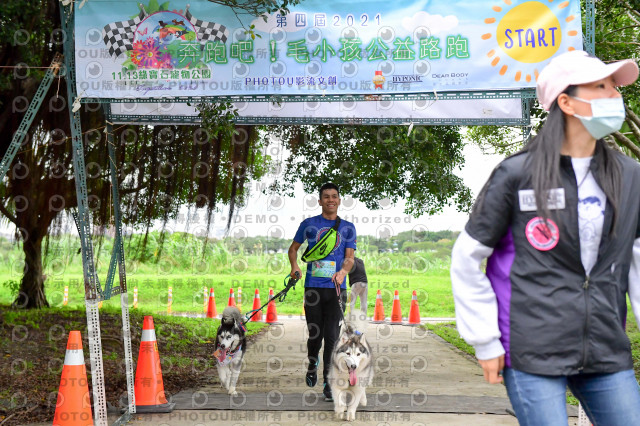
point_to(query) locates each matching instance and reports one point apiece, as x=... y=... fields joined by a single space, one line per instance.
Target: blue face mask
x=607 y=116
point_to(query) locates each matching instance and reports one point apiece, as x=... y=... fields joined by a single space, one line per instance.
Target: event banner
x=128 y=49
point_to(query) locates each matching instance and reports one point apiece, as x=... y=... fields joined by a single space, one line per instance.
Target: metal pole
x=590 y=27
x=124 y=302
x=92 y=291
x=526 y=117
x=35 y=105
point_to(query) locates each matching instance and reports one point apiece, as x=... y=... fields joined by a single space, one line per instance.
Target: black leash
x=279 y=297
x=338 y=291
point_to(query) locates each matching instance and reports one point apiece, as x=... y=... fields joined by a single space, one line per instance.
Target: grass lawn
x=433 y=291
x=33 y=344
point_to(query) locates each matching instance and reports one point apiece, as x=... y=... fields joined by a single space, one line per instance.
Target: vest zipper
x=585 y=286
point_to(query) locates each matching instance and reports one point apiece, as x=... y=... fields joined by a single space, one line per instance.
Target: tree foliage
x=617 y=38
x=373 y=163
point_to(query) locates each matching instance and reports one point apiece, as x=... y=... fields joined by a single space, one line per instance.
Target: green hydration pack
x=322 y=248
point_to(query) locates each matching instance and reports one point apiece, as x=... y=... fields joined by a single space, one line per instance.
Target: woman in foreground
x=559 y=225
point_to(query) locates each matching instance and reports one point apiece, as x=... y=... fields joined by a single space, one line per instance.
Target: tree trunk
x=31 y=293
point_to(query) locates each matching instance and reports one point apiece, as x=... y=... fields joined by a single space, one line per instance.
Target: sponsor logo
x=378 y=80
x=406 y=78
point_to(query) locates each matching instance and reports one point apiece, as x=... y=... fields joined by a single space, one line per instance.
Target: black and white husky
x=351 y=369
x=230 y=347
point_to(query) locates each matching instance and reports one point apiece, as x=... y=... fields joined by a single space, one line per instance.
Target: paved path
x=411 y=363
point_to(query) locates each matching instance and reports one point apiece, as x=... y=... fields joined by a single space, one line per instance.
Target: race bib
x=323 y=268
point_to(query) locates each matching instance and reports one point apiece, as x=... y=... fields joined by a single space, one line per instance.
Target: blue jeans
x=608 y=399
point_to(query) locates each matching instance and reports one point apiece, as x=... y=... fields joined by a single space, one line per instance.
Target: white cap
x=577 y=67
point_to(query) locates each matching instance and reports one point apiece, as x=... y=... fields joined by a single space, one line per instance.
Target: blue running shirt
x=319 y=273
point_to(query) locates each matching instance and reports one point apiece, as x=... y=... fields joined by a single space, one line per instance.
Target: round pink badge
x=542 y=236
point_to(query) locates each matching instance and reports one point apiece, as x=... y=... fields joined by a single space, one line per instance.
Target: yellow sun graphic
x=527 y=33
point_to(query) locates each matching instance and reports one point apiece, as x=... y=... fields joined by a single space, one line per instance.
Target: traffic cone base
x=149 y=387
x=73 y=407
x=159 y=408
x=414 y=311
x=378 y=313
x=396 y=312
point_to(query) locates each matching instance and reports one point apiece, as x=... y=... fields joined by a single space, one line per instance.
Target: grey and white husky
x=351 y=368
x=230 y=348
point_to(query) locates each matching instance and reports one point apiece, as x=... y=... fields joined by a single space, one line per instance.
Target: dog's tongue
x=352 y=377
x=221 y=355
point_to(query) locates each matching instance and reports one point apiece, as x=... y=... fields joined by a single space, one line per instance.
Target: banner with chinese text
x=128 y=49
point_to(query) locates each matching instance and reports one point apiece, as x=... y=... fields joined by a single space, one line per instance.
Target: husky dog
x=351 y=369
x=230 y=347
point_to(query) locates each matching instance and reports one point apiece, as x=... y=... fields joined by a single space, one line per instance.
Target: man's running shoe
x=312 y=374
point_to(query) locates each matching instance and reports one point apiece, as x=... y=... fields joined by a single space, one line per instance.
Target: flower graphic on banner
x=146 y=54
x=162 y=39
x=528 y=33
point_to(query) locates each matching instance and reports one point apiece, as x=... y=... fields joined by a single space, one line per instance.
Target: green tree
x=373 y=163
x=618 y=37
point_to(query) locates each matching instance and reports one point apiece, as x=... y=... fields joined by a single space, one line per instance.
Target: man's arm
x=293 y=258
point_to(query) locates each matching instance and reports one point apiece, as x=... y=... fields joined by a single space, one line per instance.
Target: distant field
x=406 y=262
x=433 y=290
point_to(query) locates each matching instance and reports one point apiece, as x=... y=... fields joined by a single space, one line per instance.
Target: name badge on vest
x=527 y=198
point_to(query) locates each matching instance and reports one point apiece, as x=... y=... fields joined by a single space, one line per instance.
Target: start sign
x=531 y=32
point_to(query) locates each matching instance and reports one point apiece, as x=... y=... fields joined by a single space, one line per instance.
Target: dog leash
x=338 y=291
x=280 y=296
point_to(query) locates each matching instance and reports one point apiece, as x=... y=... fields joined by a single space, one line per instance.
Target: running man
x=324 y=276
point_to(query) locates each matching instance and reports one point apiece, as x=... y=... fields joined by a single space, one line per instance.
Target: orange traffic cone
x=73 y=407
x=232 y=299
x=396 y=312
x=256 y=305
x=378 y=313
x=211 y=309
x=414 y=311
x=272 y=315
x=149 y=388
